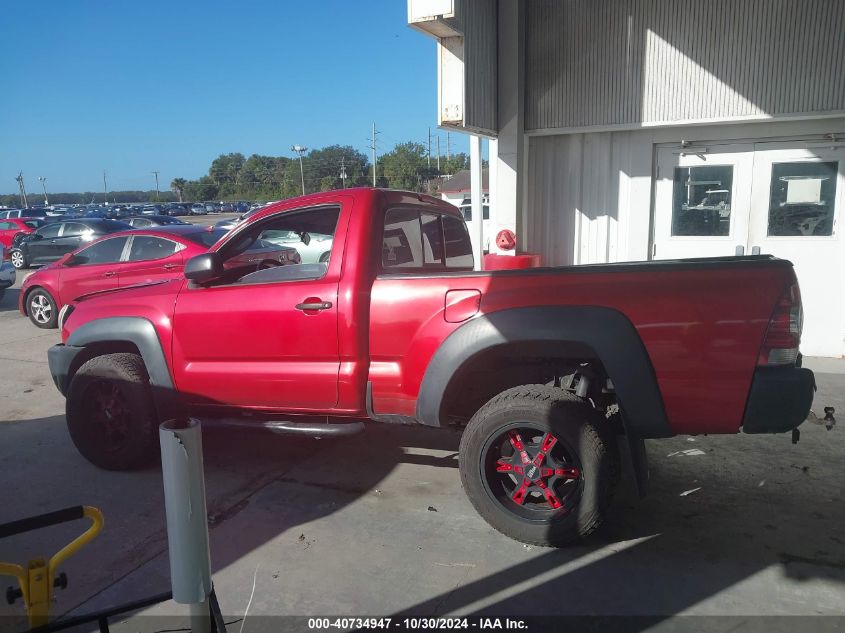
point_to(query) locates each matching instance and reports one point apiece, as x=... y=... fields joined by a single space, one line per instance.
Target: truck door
x=264 y=335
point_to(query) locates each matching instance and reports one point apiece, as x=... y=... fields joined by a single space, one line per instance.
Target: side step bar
x=311 y=428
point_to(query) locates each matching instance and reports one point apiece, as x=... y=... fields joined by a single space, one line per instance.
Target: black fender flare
x=142 y=334
x=608 y=332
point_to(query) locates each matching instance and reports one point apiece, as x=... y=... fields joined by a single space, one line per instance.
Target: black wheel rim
x=107 y=414
x=531 y=473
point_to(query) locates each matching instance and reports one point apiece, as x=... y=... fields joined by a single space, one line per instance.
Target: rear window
x=34 y=224
x=417 y=240
x=112 y=226
x=206 y=238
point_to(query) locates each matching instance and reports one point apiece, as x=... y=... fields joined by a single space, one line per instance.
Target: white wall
x=588 y=196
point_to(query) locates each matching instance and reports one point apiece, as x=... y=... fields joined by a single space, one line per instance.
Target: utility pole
x=429 y=149
x=343 y=170
x=438 y=154
x=105 y=189
x=44 y=187
x=375 y=155
x=448 y=146
x=300 y=150
x=22 y=189
x=157 y=193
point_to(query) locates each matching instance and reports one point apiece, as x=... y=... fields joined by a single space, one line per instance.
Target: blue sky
x=132 y=87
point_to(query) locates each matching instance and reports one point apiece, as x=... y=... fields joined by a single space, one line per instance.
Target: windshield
x=207 y=238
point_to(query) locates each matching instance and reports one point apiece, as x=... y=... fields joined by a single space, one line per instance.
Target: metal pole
x=429 y=148
x=438 y=153
x=187 y=518
x=157 y=192
x=44 y=187
x=300 y=150
x=374 y=155
x=105 y=189
x=477 y=234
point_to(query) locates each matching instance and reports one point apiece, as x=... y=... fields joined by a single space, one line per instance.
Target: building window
x=802 y=198
x=702 y=200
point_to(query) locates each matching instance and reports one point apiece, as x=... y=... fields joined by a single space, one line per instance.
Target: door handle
x=170 y=266
x=314 y=305
x=111 y=273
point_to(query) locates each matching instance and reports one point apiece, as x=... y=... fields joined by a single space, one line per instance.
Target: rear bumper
x=780 y=399
x=60 y=358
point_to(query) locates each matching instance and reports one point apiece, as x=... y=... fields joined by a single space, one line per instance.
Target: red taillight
x=783 y=336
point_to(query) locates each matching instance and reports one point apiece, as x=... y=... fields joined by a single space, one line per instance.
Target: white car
x=7 y=272
x=313 y=248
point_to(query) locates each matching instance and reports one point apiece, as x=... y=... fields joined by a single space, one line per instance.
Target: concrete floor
x=378 y=525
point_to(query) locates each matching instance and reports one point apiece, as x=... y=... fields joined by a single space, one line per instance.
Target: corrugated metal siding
x=604 y=62
x=579 y=192
x=478 y=19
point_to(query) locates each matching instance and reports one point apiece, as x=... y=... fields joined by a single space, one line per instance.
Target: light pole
x=105 y=189
x=44 y=187
x=157 y=193
x=300 y=150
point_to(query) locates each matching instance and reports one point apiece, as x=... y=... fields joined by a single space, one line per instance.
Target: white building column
x=507 y=154
x=477 y=206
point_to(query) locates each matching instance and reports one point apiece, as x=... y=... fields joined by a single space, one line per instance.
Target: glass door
x=797 y=198
x=702 y=201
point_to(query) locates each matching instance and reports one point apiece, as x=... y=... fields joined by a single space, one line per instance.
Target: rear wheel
x=539 y=465
x=42 y=309
x=110 y=414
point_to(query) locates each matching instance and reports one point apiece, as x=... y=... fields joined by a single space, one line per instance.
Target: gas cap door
x=461 y=305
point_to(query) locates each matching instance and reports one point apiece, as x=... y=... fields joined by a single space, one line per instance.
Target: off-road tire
x=574 y=422
x=127 y=373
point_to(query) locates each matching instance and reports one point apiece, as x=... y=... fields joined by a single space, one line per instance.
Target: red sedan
x=125 y=259
x=12 y=227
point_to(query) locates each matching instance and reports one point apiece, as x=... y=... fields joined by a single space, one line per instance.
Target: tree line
x=234 y=176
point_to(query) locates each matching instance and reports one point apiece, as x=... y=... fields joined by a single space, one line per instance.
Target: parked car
x=16 y=228
x=229 y=223
x=543 y=368
x=23 y=213
x=198 y=208
x=226 y=207
x=54 y=240
x=126 y=259
x=150 y=221
x=7 y=272
x=178 y=208
x=211 y=207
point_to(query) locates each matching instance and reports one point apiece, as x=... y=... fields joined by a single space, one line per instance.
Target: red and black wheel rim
x=531 y=472
x=107 y=414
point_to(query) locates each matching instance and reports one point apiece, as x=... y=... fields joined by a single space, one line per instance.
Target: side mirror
x=305 y=237
x=204 y=268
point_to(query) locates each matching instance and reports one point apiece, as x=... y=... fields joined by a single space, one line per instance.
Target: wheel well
x=100 y=349
x=510 y=365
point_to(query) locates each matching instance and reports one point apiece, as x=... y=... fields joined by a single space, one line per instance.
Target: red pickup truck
x=543 y=367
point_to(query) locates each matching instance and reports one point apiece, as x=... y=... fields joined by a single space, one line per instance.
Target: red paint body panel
x=66 y=283
x=7 y=235
x=246 y=346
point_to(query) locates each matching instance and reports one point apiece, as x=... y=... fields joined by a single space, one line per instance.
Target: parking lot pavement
x=377 y=524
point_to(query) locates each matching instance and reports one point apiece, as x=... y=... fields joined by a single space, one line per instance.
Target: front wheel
x=539 y=465
x=18 y=259
x=110 y=414
x=42 y=309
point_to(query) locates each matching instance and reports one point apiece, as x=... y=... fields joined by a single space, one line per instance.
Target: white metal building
x=658 y=129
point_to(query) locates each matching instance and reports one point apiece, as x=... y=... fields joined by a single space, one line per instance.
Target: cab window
x=289 y=246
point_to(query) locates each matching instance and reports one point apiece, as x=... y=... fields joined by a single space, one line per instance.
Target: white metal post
x=187 y=518
x=475 y=191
